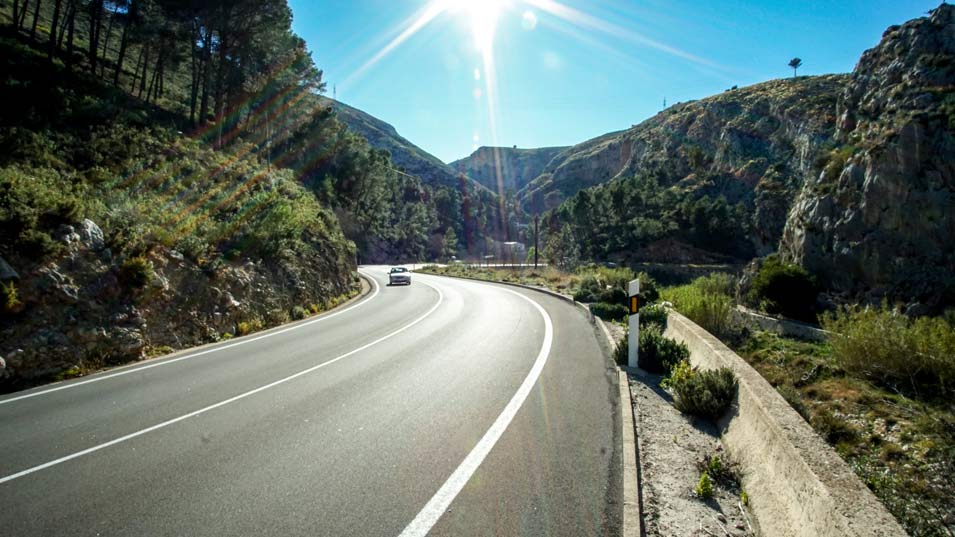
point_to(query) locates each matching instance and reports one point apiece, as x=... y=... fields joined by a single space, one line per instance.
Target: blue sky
x=568 y=70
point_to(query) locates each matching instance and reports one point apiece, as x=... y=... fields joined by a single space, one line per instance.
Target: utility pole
x=537 y=219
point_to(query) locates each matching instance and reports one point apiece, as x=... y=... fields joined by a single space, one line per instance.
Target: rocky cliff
x=880 y=217
x=506 y=168
x=753 y=144
x=81 y=310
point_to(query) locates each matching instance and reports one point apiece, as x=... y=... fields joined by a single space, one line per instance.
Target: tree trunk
x=24 y=9
x=36 y=17
x=64 y=25
x=194 y=69
x=54 y=26
x=206 y=69
x=71 y=30
x=124 y=42
x=16 y=16
x=139 y=63
x=109 y=33
x=96 y=14
x=142 y=80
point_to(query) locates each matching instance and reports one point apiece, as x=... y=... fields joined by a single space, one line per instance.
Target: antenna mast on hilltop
x=664 y=103
x=335 y=91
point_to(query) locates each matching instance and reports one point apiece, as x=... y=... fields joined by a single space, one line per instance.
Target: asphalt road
x=446 y=407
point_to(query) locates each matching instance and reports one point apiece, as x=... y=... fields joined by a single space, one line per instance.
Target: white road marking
x=136 y=369
x=439 y=503
x=222 y=403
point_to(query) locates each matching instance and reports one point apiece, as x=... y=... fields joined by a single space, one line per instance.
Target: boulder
x=91 y=235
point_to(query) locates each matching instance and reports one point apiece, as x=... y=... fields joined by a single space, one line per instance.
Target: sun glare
x=482 y=15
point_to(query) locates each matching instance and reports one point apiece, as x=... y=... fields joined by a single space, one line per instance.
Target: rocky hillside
x=850 y=176
x=880 y=217
x=404 y=155
x=752 y=145
x=121 y=237
x=517 y=167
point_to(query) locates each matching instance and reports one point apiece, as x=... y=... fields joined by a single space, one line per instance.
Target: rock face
x=80 y=314
x=752 y=144
x=880 y=218
x=506 y=168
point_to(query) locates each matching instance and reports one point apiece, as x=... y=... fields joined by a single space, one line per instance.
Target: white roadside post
x=633 y=340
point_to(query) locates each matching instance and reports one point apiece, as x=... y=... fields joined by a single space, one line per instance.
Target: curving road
x=447 y=407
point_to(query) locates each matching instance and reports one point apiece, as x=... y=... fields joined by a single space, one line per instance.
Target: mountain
x=880 y=217
x=517 y=167
x=850 y=176
x=406 y=156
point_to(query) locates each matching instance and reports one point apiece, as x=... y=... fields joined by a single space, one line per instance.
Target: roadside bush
x=136 y=272
x=833 y=428
x=659 y=354
x=245 y=328
x=785 y=289
x=707 y=302
x=621 y=354
x=655 y=315
x=881 y=344
x=299 y=313
x=609 y=312
x=702 y=393
x=602 y=284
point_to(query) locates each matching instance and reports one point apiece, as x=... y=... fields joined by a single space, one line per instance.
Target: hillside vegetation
x=170 y=176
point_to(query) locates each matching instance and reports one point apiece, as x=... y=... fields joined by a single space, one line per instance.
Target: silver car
x=399 y=276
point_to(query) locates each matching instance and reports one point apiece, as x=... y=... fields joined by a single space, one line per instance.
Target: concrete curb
x=632 y=495
x=632 y=507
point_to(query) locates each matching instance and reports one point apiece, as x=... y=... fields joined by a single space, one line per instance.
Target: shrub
x=298 y=313
x=10 y=299
x=834 y=429
x=136 y=271
x=653 y=315
x=784 y=288
x=604 y=284
x=610 y=312
x=704 y=488
x=621 y=354
x=658 y=354
x=706 y=302
x=37 y=244
x=702 y=393
x=885 y=346
x=245 y=328
x=792 y=396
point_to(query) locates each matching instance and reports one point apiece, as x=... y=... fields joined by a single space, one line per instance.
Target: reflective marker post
x=633 y=340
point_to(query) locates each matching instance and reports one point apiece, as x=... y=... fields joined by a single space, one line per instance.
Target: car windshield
x=398 y=269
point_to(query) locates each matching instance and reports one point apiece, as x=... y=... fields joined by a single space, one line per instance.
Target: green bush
x=704 y=488
x=136 y=272
x=245 y=328
x=653 y=315
x=609 y=312
x=707 y=302
x=602 y=284
x=916 y=356
x=658 y=354
x=785 y=289
x=11 y=301
x=702 y=393
x=621 y=354
x=299 y=313
x=834 y=429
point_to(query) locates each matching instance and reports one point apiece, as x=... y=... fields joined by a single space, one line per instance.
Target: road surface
x=446 y=407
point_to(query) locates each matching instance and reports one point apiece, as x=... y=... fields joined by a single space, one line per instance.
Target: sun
x=482 y=16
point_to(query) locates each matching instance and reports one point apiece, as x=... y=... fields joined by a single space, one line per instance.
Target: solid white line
x=222 y=403
x=136 y=369
x=439 y=503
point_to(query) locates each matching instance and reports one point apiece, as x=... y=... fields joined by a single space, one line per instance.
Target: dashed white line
x=225 y=402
